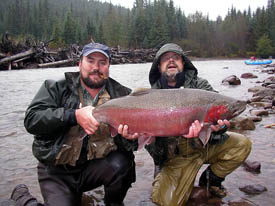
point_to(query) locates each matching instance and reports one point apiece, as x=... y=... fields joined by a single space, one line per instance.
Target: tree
x=69 y=33
x=264 y=47
x=57 y=36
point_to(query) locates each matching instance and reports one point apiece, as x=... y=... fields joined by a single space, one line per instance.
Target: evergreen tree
x=91 y=31
x=69 y=33
x=264 y=47
x=57 y=36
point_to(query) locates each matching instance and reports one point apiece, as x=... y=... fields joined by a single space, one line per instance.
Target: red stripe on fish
x=215 y=113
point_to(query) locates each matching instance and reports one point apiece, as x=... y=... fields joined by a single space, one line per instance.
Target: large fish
x=168 y=112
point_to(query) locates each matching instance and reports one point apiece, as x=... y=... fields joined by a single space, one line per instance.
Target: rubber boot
x=214 y=183
x=22 y=196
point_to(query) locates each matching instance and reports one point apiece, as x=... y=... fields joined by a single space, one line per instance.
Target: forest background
x=149 y=24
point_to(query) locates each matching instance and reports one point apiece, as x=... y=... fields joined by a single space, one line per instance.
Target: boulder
x=256 y=89
x=231 y=80
x=266 y=105
x=242 y=123
x=258 y=112
x=253 y=189
x=254 y=166
x=255 y=118
x=248 y=76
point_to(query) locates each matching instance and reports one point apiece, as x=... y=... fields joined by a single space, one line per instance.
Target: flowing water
x=17 y=164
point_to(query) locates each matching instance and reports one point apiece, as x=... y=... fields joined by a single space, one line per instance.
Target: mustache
x=96 y=72
x=172 y=64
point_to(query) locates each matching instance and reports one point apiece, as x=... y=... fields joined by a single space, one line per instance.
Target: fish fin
x=141 y=91
x=113 y=131
x=205 y=133
x=143 y=140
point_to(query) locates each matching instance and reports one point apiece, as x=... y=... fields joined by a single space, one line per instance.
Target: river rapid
x=17 y=164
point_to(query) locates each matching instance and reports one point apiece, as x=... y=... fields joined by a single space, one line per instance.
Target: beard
x=170 y=76
x=92 y=84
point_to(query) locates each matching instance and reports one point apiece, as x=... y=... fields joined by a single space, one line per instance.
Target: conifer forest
x=149 y=24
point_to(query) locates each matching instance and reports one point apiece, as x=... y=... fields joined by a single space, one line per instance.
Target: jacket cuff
x=69 y=117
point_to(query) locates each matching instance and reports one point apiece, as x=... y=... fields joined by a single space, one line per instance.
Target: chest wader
x=174 y=184
x=99 y=144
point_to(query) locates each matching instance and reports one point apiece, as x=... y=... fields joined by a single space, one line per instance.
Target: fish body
x=168 y=112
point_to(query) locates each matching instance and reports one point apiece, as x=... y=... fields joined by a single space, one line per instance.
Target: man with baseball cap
x=76 y=153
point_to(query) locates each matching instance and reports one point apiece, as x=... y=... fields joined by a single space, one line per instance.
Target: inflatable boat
x=258 y=61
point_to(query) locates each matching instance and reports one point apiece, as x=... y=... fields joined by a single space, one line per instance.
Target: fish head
x=225 y=110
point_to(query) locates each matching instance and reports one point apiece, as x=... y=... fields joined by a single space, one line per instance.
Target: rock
x=266 y=105
x=255 y=118
x=240 y=202
x=259 y=112
x=199 y=194
x=269 y=80
x=253 y=189
x=256 y=89
x=271 y=86
x=255 y=99
x=231 y=80
x=242 y=123
x=269 y=70
x=254 y=166
x=248 y=76
x=265 y=92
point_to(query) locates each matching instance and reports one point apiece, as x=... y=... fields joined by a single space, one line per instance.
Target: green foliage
x=69 y=33
x=264 y=47
x=148 y=24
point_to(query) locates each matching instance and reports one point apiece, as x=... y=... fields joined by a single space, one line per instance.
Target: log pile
x=31 y=55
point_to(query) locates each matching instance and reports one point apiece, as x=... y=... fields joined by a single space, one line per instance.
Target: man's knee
x=242 y=143
x=119 y=161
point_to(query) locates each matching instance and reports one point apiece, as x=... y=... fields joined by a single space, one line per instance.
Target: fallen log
x=22 y=59
x=17 y=56
x=2 y=55
x=57 y=63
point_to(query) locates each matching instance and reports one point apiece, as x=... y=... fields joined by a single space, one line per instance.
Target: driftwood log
x=37 y=55
x=21 y=55
x=66 y=62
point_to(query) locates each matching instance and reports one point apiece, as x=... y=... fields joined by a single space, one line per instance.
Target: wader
x=174 y=184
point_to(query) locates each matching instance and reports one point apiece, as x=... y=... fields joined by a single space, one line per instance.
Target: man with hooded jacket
x=178 y=159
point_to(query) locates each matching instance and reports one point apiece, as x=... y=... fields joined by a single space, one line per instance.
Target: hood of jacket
x=155 y=75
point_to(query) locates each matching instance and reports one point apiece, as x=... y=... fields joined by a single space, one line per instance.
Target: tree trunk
x=17 y=56
x=57 y=63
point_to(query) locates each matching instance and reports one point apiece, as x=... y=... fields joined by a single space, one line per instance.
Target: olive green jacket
x=52 y=113
x=160 y=149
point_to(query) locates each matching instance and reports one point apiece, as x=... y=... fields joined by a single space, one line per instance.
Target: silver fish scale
x=169 y=98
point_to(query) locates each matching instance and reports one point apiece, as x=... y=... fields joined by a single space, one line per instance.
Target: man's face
x=170 y=65
x=94 y=70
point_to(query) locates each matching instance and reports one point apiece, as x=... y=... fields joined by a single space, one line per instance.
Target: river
x=17 y=164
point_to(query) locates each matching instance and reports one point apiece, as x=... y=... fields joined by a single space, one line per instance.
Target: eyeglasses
x=167 y=57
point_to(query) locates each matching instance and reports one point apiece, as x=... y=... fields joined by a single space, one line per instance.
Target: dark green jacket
x=52 y=112
x=187 y=79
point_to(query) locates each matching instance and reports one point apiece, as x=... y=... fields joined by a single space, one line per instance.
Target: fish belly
x=152 y=122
